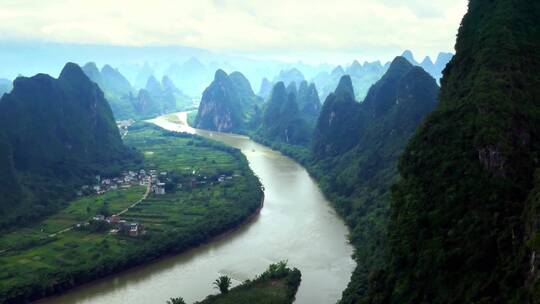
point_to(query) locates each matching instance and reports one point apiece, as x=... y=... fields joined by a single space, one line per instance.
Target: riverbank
x=296 y=224
x=198 y=207
x=277 y=285
x=365 y=212
x=218 y=237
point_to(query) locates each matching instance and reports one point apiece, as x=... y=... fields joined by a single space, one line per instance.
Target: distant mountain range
x=191 y=69
x=154 y=99
x=363 y=76
x=434 y=68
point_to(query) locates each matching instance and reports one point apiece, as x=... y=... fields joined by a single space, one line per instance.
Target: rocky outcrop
x=227 y=103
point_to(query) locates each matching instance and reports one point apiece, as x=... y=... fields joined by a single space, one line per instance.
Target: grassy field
x=210 y=189
x=77 y=211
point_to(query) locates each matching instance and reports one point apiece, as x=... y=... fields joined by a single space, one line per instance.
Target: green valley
x=209 y=190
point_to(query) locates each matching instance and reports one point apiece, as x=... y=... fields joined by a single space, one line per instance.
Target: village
x=150 y=179
x=155 y=182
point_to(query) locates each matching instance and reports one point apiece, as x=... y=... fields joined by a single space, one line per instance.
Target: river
x=296 y=224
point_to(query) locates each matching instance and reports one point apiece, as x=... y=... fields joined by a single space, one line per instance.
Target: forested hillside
x=464 y=217
x=227 y=104
x=289 y=115
x=355 y=152
x=57 y=133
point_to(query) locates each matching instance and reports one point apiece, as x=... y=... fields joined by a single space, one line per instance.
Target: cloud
x=250 y=26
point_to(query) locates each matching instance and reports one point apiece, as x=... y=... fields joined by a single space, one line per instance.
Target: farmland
x=209 y=189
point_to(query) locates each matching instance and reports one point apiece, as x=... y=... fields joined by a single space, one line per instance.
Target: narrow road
x=148 y=188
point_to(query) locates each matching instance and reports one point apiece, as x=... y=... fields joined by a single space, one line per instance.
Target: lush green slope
x=227 y=104
x=277 y=285
x=196 y=207
x=115 y=86
x=61 y=132
x=10 y=191
x=339 y=123
x=460 y=219
x=355 y=150
x=282 y=121
x=355 y=153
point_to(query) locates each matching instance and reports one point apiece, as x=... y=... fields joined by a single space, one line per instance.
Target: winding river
x=296 y=224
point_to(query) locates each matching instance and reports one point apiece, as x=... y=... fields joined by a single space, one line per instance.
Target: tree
x=179 y=300
x=223 y=283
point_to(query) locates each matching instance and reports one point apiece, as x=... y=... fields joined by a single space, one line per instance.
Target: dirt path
x=148 y=188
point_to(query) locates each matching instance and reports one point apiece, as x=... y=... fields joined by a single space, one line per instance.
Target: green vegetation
x=197 y=206
x=283 y=121
x=223 y=283
x=154 y=99
x=354 y=155
x=277 y=285
x=464 y=217
x=57 y=135
x=228 y=104
x=176 y=301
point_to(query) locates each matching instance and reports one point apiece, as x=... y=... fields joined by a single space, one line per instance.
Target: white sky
x=262 y=28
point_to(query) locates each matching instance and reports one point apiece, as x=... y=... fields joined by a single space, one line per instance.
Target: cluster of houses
x=120 y=226
x=126 y=180
x=153 y=179
x=158 y=187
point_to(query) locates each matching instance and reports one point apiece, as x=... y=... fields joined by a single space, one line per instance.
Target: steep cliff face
x=227 y=104
x=462 y=229
x=146 y=105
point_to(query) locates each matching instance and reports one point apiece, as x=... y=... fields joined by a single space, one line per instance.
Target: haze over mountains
x=154 y=99
x=191 y=69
